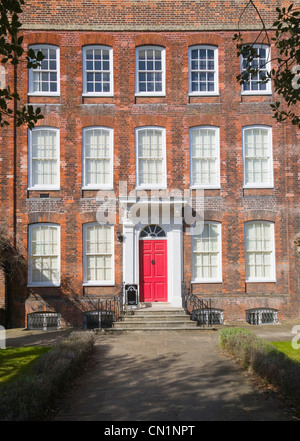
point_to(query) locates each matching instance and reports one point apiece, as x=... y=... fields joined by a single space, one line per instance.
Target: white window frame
x=219 y=278
x=217 y=185
x=268 y=90
x=270 y=168
x=98 y=282
x=163 y=185
x=163 y=65
x=261 y=279
x=215 y=92
x=36 y=48
x=30 y=168
x=43 y=284
x=84 y=71
x=108 y=186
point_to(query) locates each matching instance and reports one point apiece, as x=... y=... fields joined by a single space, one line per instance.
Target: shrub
x=263 y=359
x=31 y=396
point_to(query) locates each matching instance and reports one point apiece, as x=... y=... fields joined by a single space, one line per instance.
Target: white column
x=175 y=265
x=129 y=252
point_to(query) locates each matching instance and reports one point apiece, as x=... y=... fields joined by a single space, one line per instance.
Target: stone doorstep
x=154 y=319
x=155 y=329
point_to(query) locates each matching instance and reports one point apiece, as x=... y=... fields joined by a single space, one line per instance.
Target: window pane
x=204 y=157
x=99 y=253
x=44 y=158
x=260 y=62
x=98 y=75
x=44 y=252
x=206 y=253
x=97 y=152
x=44 y=78
x=259 y=250
x=150 y=76
x=150 y=154
x=202 y=70
x=257 y=157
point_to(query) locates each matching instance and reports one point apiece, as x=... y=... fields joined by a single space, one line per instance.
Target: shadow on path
x=166 y=377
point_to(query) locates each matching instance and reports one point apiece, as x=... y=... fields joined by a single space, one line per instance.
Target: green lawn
x=17 y=361
x=286 y=347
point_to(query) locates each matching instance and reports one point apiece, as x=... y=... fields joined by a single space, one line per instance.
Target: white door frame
x=131 y=235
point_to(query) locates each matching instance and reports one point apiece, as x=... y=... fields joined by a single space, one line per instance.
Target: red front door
x=153 y=271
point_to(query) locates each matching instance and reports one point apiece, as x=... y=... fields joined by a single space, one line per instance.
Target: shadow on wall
x=21 y=300
x=67 y=301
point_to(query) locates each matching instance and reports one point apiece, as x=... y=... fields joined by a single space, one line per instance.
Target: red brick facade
x=71 y=207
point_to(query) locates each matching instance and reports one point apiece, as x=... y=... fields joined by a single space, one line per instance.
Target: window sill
x=260 y=280
x=43 y=94
x=95 y=284
x=203 y=94
x=43 y=189
x=39 y=285
x=257 y=187
x=148 y=187
x=97 y=95
x=150 y=95
x=256 y=93
x=109 y=188
x=207 y=281
x=205 y=187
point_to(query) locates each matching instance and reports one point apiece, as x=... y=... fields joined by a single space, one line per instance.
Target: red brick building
x=144 y=117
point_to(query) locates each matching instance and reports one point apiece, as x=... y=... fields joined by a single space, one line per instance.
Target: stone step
x=155 y=323
x=160 y=318
x=153 y=311
x=154 y=329
x=154 y=317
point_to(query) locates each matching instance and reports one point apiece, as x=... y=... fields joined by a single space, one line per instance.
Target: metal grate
x=208 y=316
x=44 y=320
x=98 y=319
x=262 y=316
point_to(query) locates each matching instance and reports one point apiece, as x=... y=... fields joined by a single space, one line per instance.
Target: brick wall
x=71 y=207
x=147 y=16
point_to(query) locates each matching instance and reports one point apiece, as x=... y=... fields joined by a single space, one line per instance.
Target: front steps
x=154 y=320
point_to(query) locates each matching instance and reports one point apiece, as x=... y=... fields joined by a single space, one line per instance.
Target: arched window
x=152 y=231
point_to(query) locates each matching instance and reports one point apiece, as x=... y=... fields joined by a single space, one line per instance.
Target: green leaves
x=11 y=51
x=286 y=73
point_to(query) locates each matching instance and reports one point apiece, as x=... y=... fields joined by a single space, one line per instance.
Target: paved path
x=166 y=376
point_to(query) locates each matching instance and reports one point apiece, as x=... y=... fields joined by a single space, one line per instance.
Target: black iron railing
x=105 y=312
x=44 y=320
x=199 y=309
